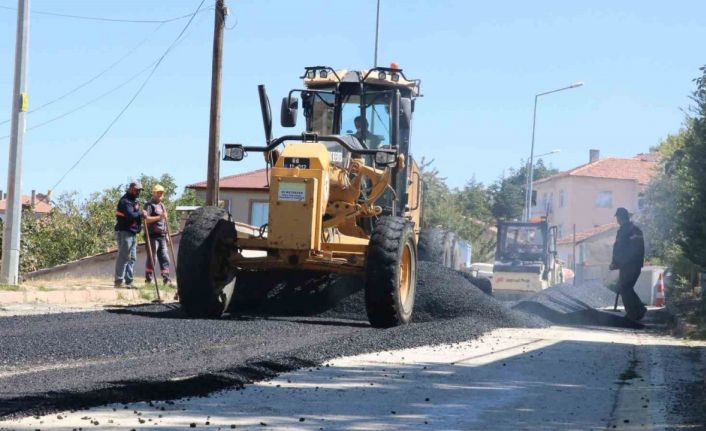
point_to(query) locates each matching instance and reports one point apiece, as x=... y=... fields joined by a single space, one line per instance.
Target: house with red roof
x=244 y=195
x=587 y=196
x=582 y=201
x=40 y=202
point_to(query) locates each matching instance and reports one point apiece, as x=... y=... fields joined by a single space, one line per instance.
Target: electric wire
x=92 y=79
x=132 y=99
x=90 y=102
x=106 y=19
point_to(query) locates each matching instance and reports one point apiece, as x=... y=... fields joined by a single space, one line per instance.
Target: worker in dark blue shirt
x=628 y=258
x=128 y=216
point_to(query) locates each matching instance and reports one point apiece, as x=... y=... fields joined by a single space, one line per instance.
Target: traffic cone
x=659 y=291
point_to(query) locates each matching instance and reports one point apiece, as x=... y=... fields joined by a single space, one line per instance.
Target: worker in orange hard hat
x=156 y=220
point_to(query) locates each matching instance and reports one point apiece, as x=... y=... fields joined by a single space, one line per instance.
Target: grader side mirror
x=288 y=113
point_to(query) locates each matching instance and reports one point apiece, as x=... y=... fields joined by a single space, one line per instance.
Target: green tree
x=508 y=192
x=188 y=196
x=692 y=167
x=76 y=228
x=674 y=218
x=465 y=212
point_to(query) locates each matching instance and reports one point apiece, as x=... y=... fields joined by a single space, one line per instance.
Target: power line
x=90 y=102
x=95 y=99
x=106 y=19
x=84 y=84
x=137 y=93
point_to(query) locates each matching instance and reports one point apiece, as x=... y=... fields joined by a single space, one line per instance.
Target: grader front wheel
x=391 y=273
x=204 y=280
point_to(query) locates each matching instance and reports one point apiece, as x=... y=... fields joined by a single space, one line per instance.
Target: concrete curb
x=69 y=296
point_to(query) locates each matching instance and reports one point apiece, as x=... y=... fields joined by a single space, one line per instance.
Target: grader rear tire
x=391 y=273
x=437 y=245
x=204 y=280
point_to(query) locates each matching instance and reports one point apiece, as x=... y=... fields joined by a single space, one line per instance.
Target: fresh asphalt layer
x=74 y=360
x=146 y=353
x=555 y=378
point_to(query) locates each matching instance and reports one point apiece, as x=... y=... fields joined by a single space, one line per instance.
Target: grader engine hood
x=299 y=188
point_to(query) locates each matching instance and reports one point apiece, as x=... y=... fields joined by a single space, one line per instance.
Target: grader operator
x=341 y=199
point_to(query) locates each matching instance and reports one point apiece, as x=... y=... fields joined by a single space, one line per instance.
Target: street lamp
x=546 y=154
x=530 y=169
x=528 y=209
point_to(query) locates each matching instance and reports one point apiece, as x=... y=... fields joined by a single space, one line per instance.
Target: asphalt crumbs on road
x=155 y=352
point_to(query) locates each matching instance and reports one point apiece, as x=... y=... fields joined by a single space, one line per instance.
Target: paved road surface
x=71 y=360
x=553 y=378
x=59 y=362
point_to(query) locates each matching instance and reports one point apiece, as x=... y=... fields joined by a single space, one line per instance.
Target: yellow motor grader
x=344 y=197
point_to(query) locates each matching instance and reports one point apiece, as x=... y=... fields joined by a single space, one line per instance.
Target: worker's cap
x=135 y=184
x=157 y=188
x=622 y=213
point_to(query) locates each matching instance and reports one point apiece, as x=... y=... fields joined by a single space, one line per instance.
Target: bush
x=76 y=228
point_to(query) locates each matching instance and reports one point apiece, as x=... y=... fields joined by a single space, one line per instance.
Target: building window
x=604 y=200
x=259 y=211
x=562 y=199
x=641 y=202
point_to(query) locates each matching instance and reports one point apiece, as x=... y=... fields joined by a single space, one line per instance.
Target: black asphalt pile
x=567 y=304
x=593 y=294
x=442 y=293
x=155 y=352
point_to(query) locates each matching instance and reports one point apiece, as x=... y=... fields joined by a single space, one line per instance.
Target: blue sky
x=481 y=63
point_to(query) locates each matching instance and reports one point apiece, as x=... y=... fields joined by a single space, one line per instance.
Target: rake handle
x=151 y=257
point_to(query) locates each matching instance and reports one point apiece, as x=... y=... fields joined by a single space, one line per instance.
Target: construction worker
x=156 y=221
x=628 y=258
x=128 y=221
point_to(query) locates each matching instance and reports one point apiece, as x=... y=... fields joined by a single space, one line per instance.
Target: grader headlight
x=385 y=159
x=233 y=152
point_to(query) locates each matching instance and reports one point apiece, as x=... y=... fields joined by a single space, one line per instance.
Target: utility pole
x=214 y=134
x=9 y=269
x=377 y=31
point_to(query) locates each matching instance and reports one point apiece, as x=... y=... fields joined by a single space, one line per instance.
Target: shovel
x=171 y=250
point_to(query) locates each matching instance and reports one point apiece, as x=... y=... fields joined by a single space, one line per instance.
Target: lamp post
x=530 y=169
x=537 y=156
x=549 y=153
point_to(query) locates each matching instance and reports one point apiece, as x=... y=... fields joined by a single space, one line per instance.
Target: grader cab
x=344 y=197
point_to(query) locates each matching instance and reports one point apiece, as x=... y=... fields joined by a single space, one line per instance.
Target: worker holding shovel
x=628 y=258
x=156 y=233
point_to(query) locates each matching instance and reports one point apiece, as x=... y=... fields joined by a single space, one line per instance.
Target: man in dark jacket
x=628 y=258
x=128 y=222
